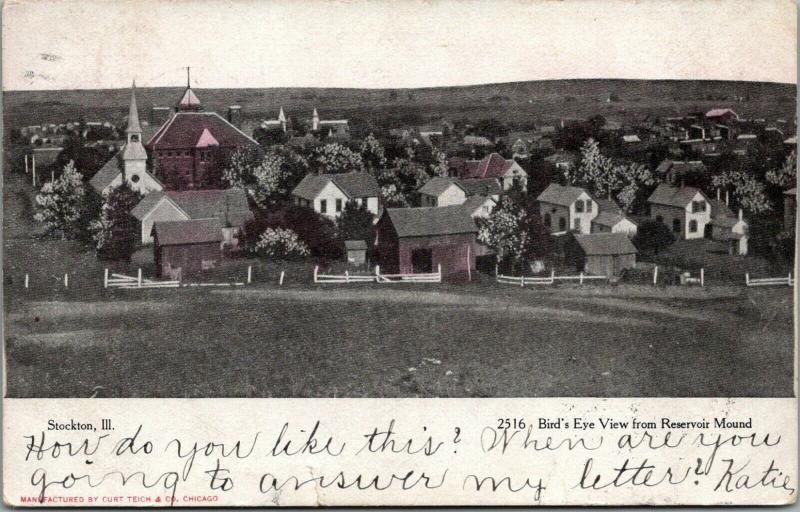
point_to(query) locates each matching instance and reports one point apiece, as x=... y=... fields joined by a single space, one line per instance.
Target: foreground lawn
x=481 y=339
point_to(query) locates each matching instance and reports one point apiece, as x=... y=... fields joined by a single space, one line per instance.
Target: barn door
x=422 y=261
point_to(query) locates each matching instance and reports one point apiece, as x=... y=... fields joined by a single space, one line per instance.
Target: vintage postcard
x=428 y=252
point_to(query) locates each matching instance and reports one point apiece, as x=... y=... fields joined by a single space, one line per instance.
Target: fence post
x=496 y=269
x=249 y=274
x=26 y=281
x=552 y=276
x=52 y=175
x=522 y=281
x=26 y=164
x=105 y=279
x=439 y=266
x=790 y=279
x=33 y=161
x=702 y=277
x=747 y=279
x=346 y=276
x=280 y=283
x=139 y=279
x=316 y=267
x=66 y=280
x=377 y=270
x=581 y=279
x=655 y=275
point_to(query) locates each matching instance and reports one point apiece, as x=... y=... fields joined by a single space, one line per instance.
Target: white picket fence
x=522 y=280
x=128 y=282
x=769 y=281
x=346 y=278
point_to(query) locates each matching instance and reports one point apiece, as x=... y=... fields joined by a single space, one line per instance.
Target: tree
x=515 y=233
x=747 y=191
x=61 y=203
x=785 y=176
x=334 y=158
x=373 y=155
x=281 y=244
x=355 y=222
x=268 y=177
x=652 y=237
x=115 y=231
x=400 y=181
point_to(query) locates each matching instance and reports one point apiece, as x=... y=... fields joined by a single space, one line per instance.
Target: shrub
x=281 y=244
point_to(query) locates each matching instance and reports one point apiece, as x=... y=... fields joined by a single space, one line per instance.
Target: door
x=422 y=261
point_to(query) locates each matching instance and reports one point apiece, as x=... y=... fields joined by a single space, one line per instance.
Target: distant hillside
x=521 y=102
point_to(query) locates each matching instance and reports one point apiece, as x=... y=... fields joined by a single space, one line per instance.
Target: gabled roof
x=229 y=206
x=605 y=244
x=610 y=219
x=491 y=166
x=185 y=129
x=445 y=220
x=110 y=170
x=719 y=112
x=474 y=202
x=559 y=194
x=482 y=187
x=438 y=185
x=674 y=196
x=188 y=232
x=352 y=184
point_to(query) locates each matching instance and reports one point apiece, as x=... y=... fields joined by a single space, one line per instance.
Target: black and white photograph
x=284 y=215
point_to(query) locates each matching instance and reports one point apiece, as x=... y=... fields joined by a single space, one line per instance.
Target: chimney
x=740 y=215
x=727 y=198
x=235 y=115
x=718 y=195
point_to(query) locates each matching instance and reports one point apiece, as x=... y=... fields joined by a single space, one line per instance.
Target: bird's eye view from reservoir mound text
x=609 y=238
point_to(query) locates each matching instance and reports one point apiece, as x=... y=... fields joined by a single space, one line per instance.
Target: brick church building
x=190 y=150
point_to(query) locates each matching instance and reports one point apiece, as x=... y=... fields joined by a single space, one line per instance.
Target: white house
x=447 y=191
x=686 y=210
x=611 y=219
x=494 y=166
x=567 y=209
x=479 y=206
x=228 y=206
x=328 y=193
x=130 y=163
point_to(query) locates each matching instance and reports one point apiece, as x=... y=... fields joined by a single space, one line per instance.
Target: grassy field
x=430 y=340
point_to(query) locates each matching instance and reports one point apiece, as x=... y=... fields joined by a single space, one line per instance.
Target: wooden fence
x=127 y=282
x=522 y=280
x=346 y=278
x=769 y=281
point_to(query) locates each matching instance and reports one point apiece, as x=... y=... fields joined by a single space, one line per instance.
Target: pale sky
x=65 y=44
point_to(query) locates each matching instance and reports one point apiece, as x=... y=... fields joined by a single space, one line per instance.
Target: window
x=578 y=206
x=692 y=226
x=589 y=206
x=577 y=224
x=659 y=218
x=135 y=178
x=323 y=206
x=562 y=224
x=134 y=138
x=698 y=206
x=676 y=225
x=338 y=205
x=548 y=221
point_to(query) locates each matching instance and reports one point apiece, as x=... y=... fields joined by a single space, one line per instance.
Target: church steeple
x=315 y=121
x=134 y=129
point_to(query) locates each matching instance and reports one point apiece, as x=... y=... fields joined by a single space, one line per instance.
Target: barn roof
x=353 y=184
x=605 y=244
x=673 y=196
x=437 y=185
x=559 y=194
x=184 y=232
x=445 y=220
x=187 y=129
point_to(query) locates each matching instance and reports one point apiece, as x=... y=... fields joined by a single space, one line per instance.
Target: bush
x=317 y=232
x=652 y=237
x=281 y=244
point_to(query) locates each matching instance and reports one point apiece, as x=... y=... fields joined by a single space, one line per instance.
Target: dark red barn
x=191 y=149
x=418 y=240
x=187 y=247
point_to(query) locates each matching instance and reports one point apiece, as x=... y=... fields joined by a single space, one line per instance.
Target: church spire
x=134 y=128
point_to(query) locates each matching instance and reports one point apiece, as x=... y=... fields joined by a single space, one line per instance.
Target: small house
x=722 y=115
x=356 y=252
x=729 y=228
x=328 y=193
x=611 y=219
x=567 y=208
x=418 y=240
x=506 y=172
x=447 y=191
x=229 y=206
x=673 y=171
x=186 y=248
x=686 y=210
x=605 y=254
